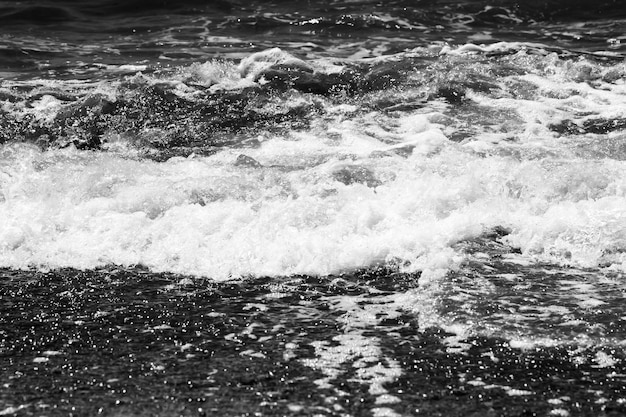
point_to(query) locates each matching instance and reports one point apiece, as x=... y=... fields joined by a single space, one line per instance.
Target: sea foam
x=294 y=214
x=357 y=187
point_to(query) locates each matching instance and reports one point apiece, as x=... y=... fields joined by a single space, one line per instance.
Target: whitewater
x=356 y=188
x=341 y=209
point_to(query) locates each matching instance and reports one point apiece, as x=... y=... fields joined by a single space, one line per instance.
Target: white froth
x=604 y=360
x=253 y=65
x=10 y=410
x=352 y=191
x=384 y=412
x=205 y=216
x=208 y=217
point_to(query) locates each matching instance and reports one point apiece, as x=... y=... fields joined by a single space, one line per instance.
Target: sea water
x=476 y=148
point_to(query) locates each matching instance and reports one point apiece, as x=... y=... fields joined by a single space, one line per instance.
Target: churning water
x=443 y=166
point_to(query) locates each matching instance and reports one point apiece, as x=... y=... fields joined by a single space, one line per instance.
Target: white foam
x=387 y=399
x=384 y=412
x=46 y=107
x=10 y=410
x=253 y=65
x=604 y=360
x=471 y=48
x=308 y=210
x=205 y=216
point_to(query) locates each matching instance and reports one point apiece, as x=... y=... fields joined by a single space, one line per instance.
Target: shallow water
x=376 y=184
x=129 y=342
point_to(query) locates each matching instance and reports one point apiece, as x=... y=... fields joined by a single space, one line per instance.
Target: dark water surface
x=338 y=208
x=127 y=342
x=78 y=39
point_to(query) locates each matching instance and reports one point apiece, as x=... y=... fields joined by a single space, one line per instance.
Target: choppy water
x=472 y=150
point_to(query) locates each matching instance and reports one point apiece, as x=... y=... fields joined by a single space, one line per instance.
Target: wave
x=279 y=165
x=205 y=106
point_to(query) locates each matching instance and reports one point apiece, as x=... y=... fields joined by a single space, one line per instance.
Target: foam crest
x=355 y=187
x=307 y=206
